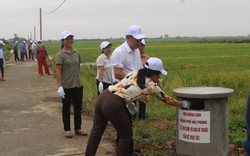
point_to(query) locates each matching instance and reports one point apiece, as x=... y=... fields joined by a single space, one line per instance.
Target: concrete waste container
x=202 y=130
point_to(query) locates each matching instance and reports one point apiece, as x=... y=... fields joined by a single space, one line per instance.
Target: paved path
x=30 y=116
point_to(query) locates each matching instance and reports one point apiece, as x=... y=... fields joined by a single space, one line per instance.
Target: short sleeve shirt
x=129 y=90
x=104 y=62
x=70 y=68
x=123 y=57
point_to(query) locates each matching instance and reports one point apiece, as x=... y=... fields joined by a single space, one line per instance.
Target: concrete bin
x=203 y=129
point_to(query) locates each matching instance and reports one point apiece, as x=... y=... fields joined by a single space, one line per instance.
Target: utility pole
x=41 y=24
x=34 y=33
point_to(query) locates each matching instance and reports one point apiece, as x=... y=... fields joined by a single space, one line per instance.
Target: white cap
x=104 y=44
x=23 y=41
x=135 y=31
x=143 y=42
x=1 y=42
x=16 y=41
x=65 y=34
x=154 y=63
x=39 y=41
x=31 y=41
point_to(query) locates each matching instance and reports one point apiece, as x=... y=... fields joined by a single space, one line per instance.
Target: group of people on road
x=27 y=50
x=126 y=76
x=36 y=51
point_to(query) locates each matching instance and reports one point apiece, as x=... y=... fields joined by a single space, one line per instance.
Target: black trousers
x=105 y=86
x=142 y=110
x=1 y=67
x=22 y=56
x=110 y=107
x=16 y=55
x=30 y=55
x=72 y=95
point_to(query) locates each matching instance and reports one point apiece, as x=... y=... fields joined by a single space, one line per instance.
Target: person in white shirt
x=126 y=58
x=104 y=70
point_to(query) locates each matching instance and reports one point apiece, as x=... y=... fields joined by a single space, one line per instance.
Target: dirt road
x=30 y=116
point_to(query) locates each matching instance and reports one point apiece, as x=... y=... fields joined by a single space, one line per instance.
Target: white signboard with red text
x=194 y=126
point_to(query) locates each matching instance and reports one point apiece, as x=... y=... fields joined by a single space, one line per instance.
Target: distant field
x=188 y=64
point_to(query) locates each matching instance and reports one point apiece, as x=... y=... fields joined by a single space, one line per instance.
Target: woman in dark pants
x=111 y=105
x=70 y=87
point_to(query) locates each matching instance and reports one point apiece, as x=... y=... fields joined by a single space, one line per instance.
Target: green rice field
x=189 y=64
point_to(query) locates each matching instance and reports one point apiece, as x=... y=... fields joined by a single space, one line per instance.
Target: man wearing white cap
x=2 y=61
x=126 y=58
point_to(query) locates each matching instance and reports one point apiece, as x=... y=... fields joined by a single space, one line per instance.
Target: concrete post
x=203 y=130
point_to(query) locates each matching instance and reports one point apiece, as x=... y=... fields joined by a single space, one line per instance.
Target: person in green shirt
x=70 y=87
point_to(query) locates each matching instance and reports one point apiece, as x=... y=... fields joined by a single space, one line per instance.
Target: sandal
x=81 y=133
x=68 y=134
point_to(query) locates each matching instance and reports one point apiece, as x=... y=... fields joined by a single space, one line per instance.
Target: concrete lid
x=203 y=92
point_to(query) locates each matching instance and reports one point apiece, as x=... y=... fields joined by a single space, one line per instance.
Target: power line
x=56 y=8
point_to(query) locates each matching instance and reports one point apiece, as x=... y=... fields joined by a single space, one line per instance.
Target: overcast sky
x=111 y=18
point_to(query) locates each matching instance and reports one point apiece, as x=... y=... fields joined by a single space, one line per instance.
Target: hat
x=143 y=42
x=1 y=42
x=23 y=41
x=154 y=63
x=16 y=41
x=65 y=34
x=104 y=44
x=135 y=31
x=39 y=41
